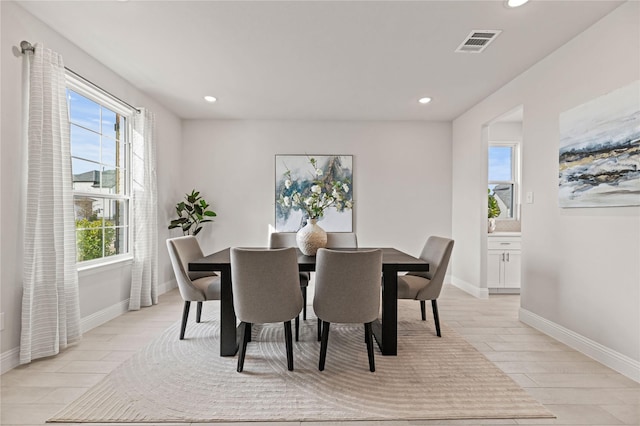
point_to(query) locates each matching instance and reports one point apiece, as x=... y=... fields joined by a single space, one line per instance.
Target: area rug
x=187 y=381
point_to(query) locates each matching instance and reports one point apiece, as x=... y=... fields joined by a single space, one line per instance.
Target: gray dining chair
x=194 y=286
x=347 y=290
x=288 y=239
x=339 y=240
x=266 y=289
x=424 y=286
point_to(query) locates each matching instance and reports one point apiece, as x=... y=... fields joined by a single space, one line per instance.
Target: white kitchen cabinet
x=503 y=263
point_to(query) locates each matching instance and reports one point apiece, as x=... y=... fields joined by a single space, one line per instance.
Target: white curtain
x=50 y=303
x=144 y=272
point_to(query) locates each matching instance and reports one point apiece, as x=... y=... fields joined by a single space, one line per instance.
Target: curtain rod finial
x=25 y=46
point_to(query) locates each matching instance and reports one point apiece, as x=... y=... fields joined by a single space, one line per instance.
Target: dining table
x=385 y=328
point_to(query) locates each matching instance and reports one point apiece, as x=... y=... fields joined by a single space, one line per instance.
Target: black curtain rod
x=25 y=47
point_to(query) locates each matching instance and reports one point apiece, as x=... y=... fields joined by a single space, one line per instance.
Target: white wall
x=402 y=176
x=103 y=289
x=581 y=274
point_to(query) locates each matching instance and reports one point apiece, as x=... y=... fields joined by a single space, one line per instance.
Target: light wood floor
x=578 y=390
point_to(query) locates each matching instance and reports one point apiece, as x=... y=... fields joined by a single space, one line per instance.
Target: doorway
x=503 y=256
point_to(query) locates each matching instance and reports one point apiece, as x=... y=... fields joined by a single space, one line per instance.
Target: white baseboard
x=480 y=293
x=105 y=315
x=11 y=359
x=612 y=359
x=167 y=286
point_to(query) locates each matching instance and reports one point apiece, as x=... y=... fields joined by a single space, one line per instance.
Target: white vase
x=491 y=225
x=311 y=237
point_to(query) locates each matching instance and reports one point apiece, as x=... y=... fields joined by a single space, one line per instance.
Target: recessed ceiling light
x=515 y=3
x=424 y=100
x=211 y=99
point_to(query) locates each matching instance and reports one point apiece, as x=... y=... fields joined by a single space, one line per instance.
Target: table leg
x=386 y=334
x=228 y=341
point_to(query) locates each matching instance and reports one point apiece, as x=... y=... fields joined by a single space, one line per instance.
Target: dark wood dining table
x=385 y=329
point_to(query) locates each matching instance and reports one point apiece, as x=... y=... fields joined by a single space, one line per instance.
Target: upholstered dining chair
x=341 y=240
x=194 y=286
x=266 y=289
x=347 y=290
x=338 y=240
x=288 y=239
x=424 y=286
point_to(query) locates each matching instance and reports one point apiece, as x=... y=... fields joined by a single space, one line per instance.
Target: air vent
x=477 y=41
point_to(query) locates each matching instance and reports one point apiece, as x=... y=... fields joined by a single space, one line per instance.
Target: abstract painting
x=303 y=174
x=600 y=151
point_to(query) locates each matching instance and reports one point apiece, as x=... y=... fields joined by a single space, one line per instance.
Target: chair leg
x=436 y=319
x=297 y=327
x=369 y=340
x=304 y=306
x=185 y=315
x=289 y=343
x=319 y=329
x=423 y=310
x=199 y=312
x=243 y=348
x=323 y=344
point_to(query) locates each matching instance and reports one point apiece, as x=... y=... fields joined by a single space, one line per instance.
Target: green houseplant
x=494 y=211
x=494 y=208
x=192 y=213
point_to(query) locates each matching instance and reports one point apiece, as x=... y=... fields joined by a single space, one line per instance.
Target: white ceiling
x=346 y=60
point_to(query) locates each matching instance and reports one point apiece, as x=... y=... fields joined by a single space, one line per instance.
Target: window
x=100 y=159
x=503 y=177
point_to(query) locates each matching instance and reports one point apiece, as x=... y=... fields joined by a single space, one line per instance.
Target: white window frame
x=90 y=92
x=515 y=174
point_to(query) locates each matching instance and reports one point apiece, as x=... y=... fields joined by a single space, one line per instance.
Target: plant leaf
x=210 y=213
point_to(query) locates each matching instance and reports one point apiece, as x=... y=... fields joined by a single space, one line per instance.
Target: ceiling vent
x=477 y=41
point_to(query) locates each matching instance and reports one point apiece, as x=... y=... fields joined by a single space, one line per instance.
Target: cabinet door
x=512 y=269
x=494 y=265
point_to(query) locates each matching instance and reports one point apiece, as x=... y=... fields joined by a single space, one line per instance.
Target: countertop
x=504 y=234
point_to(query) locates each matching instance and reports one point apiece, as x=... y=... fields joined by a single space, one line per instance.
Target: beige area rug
x=187 y=381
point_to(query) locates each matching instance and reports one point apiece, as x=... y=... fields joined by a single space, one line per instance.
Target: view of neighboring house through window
x=100 y=166
x=503 y=177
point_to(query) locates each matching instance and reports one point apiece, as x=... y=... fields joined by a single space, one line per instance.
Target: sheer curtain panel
x=144 y=271
x=50 y=304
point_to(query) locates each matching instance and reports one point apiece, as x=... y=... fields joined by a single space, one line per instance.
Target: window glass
x=504 y=195
x=83 y=111
x=85 y=144
x=500 y=163
x=503 y=183
x=100 y=174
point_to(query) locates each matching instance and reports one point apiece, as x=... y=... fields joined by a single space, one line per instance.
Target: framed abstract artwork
x=302 y=179
x=599 y=158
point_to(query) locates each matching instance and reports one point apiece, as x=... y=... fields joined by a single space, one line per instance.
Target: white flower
x=345 y=187
x=338 y=206
x=308 y=201
x=287 y=201
x=319 y=172
x=287 y=183
x=348 y=204
x=316 y=189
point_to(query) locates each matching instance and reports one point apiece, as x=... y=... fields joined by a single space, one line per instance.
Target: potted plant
x=494 y=211
x=192 y=213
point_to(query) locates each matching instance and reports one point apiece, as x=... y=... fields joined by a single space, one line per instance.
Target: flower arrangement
x=323 y=189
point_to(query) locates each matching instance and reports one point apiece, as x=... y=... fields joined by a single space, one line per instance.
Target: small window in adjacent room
x=100 y=160
x=503 y=177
